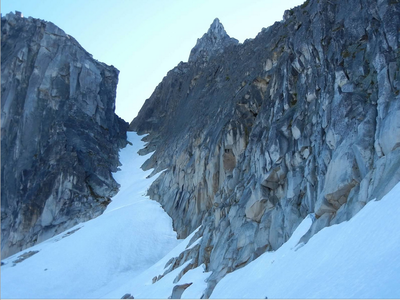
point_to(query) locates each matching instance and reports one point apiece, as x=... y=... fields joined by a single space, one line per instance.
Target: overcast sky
x=145 y=39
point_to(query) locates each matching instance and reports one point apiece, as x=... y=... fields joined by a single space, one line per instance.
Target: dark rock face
x=60 y=136
x=302 y=119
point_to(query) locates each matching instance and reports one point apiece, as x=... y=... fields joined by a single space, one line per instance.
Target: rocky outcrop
x=302 y=119
x=60 y=136
x=212 y=42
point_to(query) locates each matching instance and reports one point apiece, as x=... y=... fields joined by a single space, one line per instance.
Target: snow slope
x=129 y=237
x=142 y=286
x=355 y=259
x=122 y=250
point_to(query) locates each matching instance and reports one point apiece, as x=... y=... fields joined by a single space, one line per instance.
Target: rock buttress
x=60 y=136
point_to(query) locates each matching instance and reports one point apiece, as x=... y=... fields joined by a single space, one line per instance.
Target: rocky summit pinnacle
x=212 y=42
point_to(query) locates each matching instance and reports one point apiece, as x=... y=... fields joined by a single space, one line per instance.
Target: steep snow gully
x=121 y=251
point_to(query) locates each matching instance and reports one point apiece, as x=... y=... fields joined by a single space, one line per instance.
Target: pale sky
x=145 y=39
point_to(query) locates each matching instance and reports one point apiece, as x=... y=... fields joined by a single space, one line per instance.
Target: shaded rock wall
x=302 y=119
x=60 y=136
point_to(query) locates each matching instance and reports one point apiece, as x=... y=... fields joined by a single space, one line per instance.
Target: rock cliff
x=60 y=136
x=303 y=119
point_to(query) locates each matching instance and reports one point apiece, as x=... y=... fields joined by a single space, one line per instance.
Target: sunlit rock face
x=59 y=134
x=302 y=119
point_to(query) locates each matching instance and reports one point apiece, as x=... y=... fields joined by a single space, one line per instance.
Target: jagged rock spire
x=212 y=42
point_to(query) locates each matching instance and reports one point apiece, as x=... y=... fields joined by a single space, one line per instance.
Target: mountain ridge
x=299 y=120
x=246 y=143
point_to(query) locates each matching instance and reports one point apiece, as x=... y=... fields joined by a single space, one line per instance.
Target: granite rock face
x=212 y=42
x=60 y=136
x=303 y=119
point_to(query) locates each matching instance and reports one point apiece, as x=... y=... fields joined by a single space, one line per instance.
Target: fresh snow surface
x=122 y=250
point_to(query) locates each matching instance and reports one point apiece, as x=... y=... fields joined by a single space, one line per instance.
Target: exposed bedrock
x=305 y=118
x=60 y=136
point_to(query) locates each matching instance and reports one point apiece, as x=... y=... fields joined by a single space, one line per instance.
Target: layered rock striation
x=60 y=136
x=303 y=119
